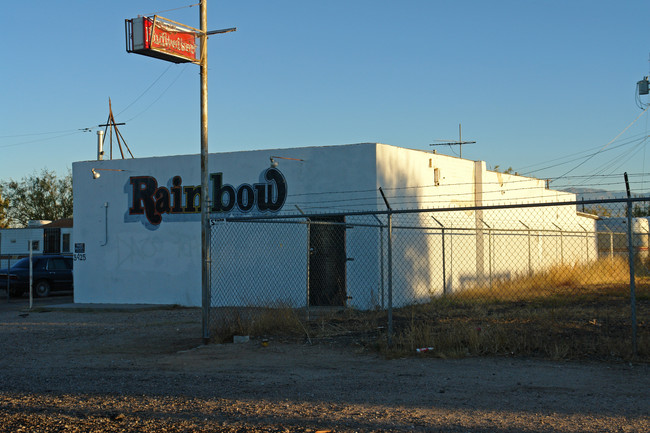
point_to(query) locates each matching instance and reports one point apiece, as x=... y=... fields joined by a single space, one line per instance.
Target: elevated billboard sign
x=161 y=38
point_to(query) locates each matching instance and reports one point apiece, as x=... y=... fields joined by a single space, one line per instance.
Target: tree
x=40 y=196
x=641 y=210
x=4 y=204
x=599 y=210
x=508 y=170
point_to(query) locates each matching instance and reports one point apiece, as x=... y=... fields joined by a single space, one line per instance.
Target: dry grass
x=556 y=280
x=277 y=321
x=568 y=312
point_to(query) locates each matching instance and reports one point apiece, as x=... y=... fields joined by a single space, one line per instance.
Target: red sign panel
x=160 y=38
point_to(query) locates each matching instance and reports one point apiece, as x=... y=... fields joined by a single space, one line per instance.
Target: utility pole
x=205 y=203
x=459 y=143
x=205 y=197
x=137 y=43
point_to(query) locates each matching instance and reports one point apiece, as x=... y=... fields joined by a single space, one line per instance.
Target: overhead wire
x=606 y=145
x=625 y=143
x=161 y=94
x=628 y=156
x=40 y=133
x=41 y=140
x=90 y=128
x=146 y=90
x=171 y=10
x=610 y=167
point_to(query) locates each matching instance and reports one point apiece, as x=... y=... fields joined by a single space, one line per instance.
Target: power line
x=170 y=10
x=40 y=133
x=146 y=90
x=605 y=146
x=41 y=140
x=161 y=95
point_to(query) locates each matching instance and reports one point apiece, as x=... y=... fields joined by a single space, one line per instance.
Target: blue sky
x=529 y=81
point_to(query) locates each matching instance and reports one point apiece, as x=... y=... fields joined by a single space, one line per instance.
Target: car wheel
x=42 y=289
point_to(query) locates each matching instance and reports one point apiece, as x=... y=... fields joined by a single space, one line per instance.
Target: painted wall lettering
x=153 y=201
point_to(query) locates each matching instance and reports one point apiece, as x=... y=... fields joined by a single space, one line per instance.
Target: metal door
x=327 y=262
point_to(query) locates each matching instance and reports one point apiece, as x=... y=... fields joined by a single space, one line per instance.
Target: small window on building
x=65 y=247
x=436 y=176
x=35 y=245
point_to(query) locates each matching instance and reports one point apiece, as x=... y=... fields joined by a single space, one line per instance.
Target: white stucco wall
x=15 y=242
x=129 y=260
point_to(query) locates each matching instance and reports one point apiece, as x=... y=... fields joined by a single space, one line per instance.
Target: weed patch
x=568 y=312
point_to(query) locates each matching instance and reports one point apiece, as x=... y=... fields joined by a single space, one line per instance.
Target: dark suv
x=49 y=273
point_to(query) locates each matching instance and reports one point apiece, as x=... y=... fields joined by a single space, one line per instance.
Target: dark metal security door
x=52 y=241
x=327 y=262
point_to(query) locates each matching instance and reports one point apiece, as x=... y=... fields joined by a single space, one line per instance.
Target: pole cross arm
x=215 y=32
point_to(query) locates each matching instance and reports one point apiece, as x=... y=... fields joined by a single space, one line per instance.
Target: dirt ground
x=146 y=371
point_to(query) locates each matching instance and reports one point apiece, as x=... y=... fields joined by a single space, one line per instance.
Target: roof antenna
x=111 y=126
x=459 y=143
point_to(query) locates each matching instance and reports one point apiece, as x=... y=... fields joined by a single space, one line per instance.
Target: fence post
x=444 y=264
x=8 y=279
x=611 y=244
x=561 y=243
x=381 y=258
x=390 y=268
x=206 y=280
x=390 y=278
x=308 y=269
x=586 y=241
x=7 y=266
x=530 y=265
x=489 y=251
x=630 y=249
x=381 y=264
x=31 y=274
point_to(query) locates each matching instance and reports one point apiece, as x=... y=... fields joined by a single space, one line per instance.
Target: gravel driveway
x=145 y=370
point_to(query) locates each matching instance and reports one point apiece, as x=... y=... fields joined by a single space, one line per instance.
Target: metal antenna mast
x=110 y=125
x=459 y=143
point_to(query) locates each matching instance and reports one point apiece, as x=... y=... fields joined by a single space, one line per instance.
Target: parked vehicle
x=49 y=273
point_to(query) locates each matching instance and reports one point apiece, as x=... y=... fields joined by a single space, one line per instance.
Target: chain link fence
x=524 y=279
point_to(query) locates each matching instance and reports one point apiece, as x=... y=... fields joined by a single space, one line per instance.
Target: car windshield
x=21 y=264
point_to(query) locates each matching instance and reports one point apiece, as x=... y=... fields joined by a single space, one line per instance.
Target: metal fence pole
x=7 y=267
x=489 y=251
x=31 y=274
x=586 y=241
x=444 y=261
x=530 y=265
x=611 y=244
x=8 y=279
x=561 y=242
x=381 y=259
x=390 y=278
x=381 y=265
x=630 y=249
x=390 y=267
x=308 y=270
x=450 y=286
